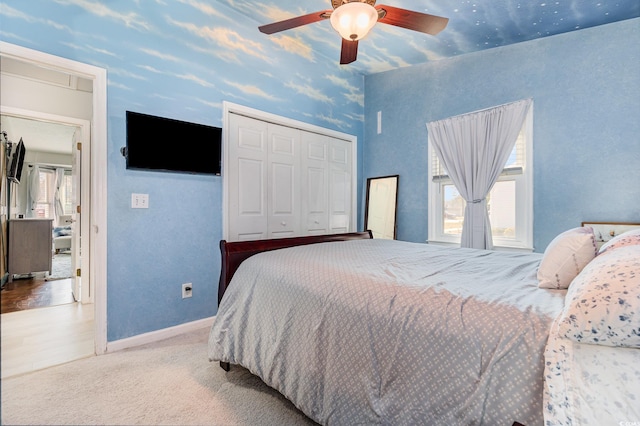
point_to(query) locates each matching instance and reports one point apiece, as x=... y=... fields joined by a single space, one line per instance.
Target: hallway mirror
x=381 y=206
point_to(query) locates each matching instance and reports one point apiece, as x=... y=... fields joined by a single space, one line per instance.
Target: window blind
x=514 y=166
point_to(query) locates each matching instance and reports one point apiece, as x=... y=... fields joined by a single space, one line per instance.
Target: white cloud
x=10 y=12
x=211 y=104
x=225 y=38
x=150 y=68
x=353 y=93
x=341 y=82
x=160 y=55
x=125 y=73
x=294 y=45
x=112 y=83
x=186 y=77
x=339 y=123
x=203 y=7
x=130 y=20
x=250 y=90
x=195 y=79
x=90 y=49
x=310 y=92
x=5 y=35
x=357 y=98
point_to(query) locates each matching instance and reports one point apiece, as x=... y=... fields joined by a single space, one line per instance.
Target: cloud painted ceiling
x=473 y=26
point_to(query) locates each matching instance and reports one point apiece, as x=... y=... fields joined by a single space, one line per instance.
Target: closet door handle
x=283 y=223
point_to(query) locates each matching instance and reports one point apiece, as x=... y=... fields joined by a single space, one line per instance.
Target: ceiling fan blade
x=349 y=51
x=298 y=21
x=411 y=20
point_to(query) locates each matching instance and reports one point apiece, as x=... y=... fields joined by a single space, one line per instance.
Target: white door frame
x=98 y=173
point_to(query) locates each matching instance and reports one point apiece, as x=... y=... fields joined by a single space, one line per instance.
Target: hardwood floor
x=38 y=338
x=35 y=292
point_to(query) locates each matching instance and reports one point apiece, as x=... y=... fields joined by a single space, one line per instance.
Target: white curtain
x=474 y=148
x=57 y=202
x=33 y=191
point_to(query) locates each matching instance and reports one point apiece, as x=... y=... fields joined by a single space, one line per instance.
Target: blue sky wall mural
x=177 y=59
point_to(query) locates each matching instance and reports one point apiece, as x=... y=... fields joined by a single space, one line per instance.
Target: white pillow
x=628 y=238
x=602 y=305
x=565 y=256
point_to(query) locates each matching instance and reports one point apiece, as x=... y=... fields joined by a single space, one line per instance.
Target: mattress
x=392 y=332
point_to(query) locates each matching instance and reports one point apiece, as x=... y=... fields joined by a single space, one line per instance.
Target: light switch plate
x=139 y=201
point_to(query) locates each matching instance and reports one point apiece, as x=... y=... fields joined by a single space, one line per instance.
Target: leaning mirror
x=381 y=206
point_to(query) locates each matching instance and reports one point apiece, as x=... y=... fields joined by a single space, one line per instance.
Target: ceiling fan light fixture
x=354 y=20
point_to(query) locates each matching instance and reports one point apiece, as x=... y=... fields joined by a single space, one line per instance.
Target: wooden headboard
x=234 y=253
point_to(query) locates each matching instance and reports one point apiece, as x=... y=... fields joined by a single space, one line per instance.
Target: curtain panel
x=58 y=207
x=474 y=148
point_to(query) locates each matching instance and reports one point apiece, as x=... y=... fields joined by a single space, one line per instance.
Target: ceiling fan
x=353 y=19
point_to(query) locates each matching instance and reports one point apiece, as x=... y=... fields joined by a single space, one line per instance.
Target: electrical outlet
x=187 y=290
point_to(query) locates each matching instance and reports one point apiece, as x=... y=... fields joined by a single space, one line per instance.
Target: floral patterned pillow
x=629 y=238
x=565 y=256
x=602 y=305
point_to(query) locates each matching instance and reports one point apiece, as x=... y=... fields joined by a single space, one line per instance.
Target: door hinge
x=79 y=146
x=78 y=209
x=78 y=272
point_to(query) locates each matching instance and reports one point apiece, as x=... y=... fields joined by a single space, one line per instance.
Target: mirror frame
x=372 y=180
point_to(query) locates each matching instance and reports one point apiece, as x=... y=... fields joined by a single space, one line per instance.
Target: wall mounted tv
x=164 y=144
x=17 y=162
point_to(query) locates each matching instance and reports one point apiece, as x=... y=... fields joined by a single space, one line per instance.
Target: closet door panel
x=283 y=184
x=340 y=186
x=248 y=169
x=315 y=183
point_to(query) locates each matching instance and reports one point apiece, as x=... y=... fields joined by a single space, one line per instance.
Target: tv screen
x=164 y=144
x=17 y=162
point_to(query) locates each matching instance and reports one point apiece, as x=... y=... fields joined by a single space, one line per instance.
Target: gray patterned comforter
x=394 y=333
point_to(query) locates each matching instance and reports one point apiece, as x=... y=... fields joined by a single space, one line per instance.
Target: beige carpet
x=164 y=383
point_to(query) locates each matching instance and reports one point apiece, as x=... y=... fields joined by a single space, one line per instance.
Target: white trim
x=495 y=248
x=155 y=336
x=98 y=219
x=231 y=108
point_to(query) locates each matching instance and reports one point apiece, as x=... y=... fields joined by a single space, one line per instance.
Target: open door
x=76 y=217
x=82 y=283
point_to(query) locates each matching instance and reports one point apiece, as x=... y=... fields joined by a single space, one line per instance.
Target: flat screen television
x=17 y=162
x=168 y=145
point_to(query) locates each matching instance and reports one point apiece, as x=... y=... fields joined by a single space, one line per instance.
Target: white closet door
x=283 y=184
x=340 y=191
x=247 y=169
x=284 y=178
x=315 y=183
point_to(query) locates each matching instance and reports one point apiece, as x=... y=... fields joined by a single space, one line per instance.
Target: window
x=46 y=197
x=66 y=192
x=44 y=206
x=510 y=201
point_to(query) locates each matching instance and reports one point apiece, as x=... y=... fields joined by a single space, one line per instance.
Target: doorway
x=94 y=197
x=51 y=173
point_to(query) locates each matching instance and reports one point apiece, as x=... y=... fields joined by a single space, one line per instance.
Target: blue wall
x=175 y=60
x=586 y=91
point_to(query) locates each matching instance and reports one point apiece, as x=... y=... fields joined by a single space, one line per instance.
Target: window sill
x=495 y=247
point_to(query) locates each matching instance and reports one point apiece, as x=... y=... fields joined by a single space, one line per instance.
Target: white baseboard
x=154 y=336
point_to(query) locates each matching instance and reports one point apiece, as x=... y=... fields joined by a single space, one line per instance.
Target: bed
x=355 y=330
